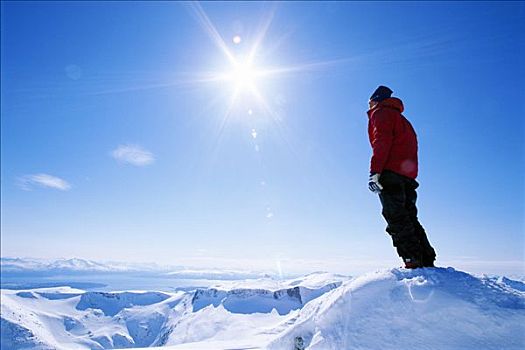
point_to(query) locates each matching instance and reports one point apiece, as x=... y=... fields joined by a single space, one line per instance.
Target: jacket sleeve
x=381 y=136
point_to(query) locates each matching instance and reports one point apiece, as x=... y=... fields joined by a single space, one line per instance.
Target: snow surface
x=412 y=309
x=391 y=309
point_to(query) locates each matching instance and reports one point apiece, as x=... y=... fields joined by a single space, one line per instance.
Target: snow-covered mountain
x=67 y=318
x=21 y=265
x=394 y=309
x=413 y=309
x=31 y=266
x=215 y=274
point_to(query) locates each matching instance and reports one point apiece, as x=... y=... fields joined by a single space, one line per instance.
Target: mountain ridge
x=386 y=309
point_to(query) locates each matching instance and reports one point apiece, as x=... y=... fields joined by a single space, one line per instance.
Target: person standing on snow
x=393 y=172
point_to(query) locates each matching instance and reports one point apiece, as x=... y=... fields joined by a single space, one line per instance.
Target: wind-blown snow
x=419 y=309
x=395 y=309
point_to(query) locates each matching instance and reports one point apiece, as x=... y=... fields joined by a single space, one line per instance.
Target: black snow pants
x=398 y=199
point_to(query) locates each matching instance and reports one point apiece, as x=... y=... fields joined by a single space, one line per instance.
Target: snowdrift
x=413 y=309
x=395 y=309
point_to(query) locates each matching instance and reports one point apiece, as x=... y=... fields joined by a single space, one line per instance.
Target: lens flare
x=243 y=75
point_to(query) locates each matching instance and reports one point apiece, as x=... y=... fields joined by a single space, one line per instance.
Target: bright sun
x=243 y=75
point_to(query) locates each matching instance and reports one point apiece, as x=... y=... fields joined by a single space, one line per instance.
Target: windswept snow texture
x=413 y=309
x=67 y=318
x=112 y=303
x=395 y=309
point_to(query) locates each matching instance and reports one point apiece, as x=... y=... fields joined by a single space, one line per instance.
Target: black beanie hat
x=381 y=93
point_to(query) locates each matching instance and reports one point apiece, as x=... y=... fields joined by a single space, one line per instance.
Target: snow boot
x=428 y=263
x=411 y=263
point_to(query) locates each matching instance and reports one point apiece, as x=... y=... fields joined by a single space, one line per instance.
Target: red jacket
x=393 y=139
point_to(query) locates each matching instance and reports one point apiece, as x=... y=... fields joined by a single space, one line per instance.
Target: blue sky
x=120 y=140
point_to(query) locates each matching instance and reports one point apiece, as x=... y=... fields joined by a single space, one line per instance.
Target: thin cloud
x=132 y=154
x=28 y=182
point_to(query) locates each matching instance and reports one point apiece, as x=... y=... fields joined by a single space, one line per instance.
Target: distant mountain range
x=74 y=264
x=31 y=266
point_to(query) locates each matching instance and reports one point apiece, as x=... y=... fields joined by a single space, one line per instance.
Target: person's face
x=372 y=104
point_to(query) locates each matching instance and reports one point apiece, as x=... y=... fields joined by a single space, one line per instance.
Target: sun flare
x=243 y=75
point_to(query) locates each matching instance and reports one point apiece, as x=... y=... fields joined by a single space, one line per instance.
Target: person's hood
x=391 y=102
